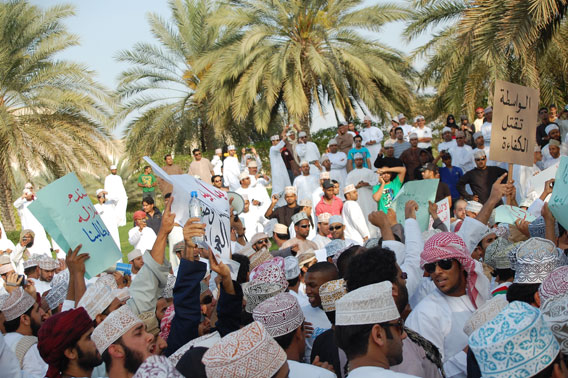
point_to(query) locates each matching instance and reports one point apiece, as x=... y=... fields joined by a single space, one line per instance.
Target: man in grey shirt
x=400 y=145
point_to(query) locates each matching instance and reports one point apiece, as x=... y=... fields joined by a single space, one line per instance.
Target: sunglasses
x=331 y=228
x=479 y=159
x=304 y=226
x=459 y=137
x=262 y=241
x=445 y=264
x=398 y=325
x=404 y=276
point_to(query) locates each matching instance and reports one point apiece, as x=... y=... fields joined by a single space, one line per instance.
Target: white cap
x=349 y=188
x=446 y=130
x=323 y=158
x=27 y=191
x=28 y=185
x=302 y=134
x=336 y=219
x=369 y=304
x=113 y=167
x=367 y=118
x=6 y=268
x=231 y=147
x=485 y=313
x=330 y=292
x=324 y=176
x=116 y=324
x=292 y=267
x=244 y=175
x=551 y=127
x=332 y=141
x=412 y=136
x=96 y=299
x=17 y=304
x=488 y=109
x=99 y=191
x=252 y=164
x=47 y=263
x=324 y=218
x=535 y=258
x=134 y=254
x=304 y=162
x=280 y=314
x=275 y=137
x=290 y=189
x=218 y=151
x=298 y=217
x=401 y=116
x=477 y=135
x=306 y=202
x=478 y=153
x=388 y=143
x=280 y=228
x=473 y=206
x=395 y=119
x=245 y=197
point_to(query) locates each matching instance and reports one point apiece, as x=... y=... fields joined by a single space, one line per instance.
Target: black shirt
x=154 y=222
x=480 y=181
x=442 y=192
x=541 y=136
x=283 y=214
x=385 y=161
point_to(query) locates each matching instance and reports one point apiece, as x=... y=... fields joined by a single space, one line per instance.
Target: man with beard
x=22 y=322
x=124 y=344
x=368 y=327
x=64 y=342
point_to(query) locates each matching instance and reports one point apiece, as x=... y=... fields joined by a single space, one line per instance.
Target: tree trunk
x=305 y=119
x=6 y=207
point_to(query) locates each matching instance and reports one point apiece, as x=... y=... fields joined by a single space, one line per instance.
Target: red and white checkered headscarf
x=448 y=245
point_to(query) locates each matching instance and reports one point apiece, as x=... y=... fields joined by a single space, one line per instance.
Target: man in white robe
x=105 y=208
x=321 y=238
x=522 y=176
x=462 y=154
x=217 y=162
x=355 y=228
x=486 y=127
x=252 y=220
x=309 y=152
x=141 y=236
x=406 y=128
x=116 y=192
x=41 y=244
x=338 y=162
x=259 y=201
x=447 y=143
x=231 y=169
x=306 y=183
x=372 y=138
x=364 y=179
x=280 y=178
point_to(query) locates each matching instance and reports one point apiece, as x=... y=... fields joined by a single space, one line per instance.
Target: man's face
x=197 y=155
x=342 y=129
x=305 y=169
x=451 y=282
x=553 y=112
x=329 y=192
x=481 y=162
x=29 y=196
x=247 y=206
x=333 y=148
x=421 y=122
x=367 y=123
x=464 y=122
x=336 y=230
x=46 y=275
x=402 y=298
x=292 y=136
x=253 y=170
x=389 y=151
x=245 y=182
x=479 y=114
x=36 y=318
x=327 y=164
x=386 y=176
x=394 y=344
x=113 y=171
x=351 y=126
x=399 y=134
x=324 y=227
x=538 y=156
x=358 y=142
x=470 y=214
x=141 y=222
x=262 y=243
x=138 y=262
x=87 y=353
x=218 y=182
x=489 y=117
x=302 y=139
x=554 y=134
x=554 y=151
x=543 y=114
x=413 y=142
x=313 y=281
x=402 y=121
x=459 y=210
x=290 y=198
x=275 y=142
x=136 y=342
x=336 y=188
x=460 y=140
x=424 y=157
x=359 y=162
x=161 y=307
x=447 y=136
x=479 y=142
x=169 y=160
x=486 y=241
x=148 y=170
x=302 y=228
x=427 y=174
x=147 y=207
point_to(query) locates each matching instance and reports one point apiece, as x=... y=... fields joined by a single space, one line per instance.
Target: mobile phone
x=24 y=282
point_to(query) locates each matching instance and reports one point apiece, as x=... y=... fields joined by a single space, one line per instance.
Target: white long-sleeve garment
x=365 y=199
x=108 y=215
x=280 y=178
x=305 y=186
x=372 y=134
x=41 y=244
x=142 y=240
x=338 y=171
x=355 y=226
x=309 y=152
x=116 y=192
x=231 y=172
x=462 y=157
x=33 y=364
x=217 y=165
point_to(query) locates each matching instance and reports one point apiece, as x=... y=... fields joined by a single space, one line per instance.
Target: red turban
x=448 y=245
x=58 y=333
x=138 y=215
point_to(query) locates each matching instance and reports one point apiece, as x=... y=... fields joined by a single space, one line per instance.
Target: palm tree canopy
x=289 y=55
x=53 y=115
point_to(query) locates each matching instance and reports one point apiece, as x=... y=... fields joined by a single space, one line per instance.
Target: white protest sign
x=443 y=213
x=214 y=204
x=537 y=181
x=513 y=130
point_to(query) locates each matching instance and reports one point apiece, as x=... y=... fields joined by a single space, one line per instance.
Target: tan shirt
x=201 y=168
x=173 y=169
x=344 y=142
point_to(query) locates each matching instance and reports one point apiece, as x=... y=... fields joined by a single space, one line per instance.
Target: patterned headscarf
x=448 y=245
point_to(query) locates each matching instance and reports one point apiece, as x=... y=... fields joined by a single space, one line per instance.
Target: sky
x=105 y=27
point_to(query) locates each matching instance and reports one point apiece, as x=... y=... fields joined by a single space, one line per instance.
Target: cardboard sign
x=513 y=130
x=420 y=191
x=558 y=203
x=214 y=205
x=509 y=214
x=66 y=212
x=443 y=213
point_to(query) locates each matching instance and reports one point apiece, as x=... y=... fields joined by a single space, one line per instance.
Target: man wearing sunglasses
x=479 y=179
x=461 y=289
x=302 y=229
x=337 y=230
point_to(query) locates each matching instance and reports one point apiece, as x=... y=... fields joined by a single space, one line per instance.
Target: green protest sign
x=558 y=202
x=68 y=215
x=420 y=191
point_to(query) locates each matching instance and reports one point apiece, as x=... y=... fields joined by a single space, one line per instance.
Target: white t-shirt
x=425 y=132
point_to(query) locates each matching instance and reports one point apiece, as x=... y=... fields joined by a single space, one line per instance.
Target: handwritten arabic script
x=514 y=123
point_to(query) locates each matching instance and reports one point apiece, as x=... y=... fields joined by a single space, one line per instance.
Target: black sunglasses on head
x=445 y=264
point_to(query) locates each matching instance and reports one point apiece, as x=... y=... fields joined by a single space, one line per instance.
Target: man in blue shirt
x=450 y=175
x=358 y=139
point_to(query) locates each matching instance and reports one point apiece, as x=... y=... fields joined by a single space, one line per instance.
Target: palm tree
x=157 y=91
x=290 y=55
x=476 y=42
x=53 y=115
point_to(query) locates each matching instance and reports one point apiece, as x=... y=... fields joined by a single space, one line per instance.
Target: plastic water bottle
x=195 y=212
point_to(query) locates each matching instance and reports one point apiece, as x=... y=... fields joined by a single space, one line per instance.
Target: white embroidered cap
x=244 y=175
x=57 y=294
x=334 y=246
x=330 y=292
x=47 y=263
x=247 y=353
x=280 y=314
x=485 y=313
x=473 y=206
x=302 y=134
x=488 y=110
x=17 y=304
x=357 y=155
x=134 y=254
x=270 y=271
x=107 y=280
x=231 y=147
x=298 y=217
x=279 y=228
x=113 y=167
x=275 y=137
x=168 y=291
x=446 y=130
x=218 y=151
x=535 y=259
x=306 y=202
x=324 y=175
x=332 y=142
x=256 y=293
x=292 y=267
x=554 y=284
x=401 y=116
x=5 y=259
x=6 y=268
x=290 y=189
x=497 y=254
x=96 y=299
x=515 y=343
x=116 y=324
x=99 y=191
x=369 y=304
x=304 y=162
x=121 y=294
x=555 y=314
x=336 y=219
x=551 y=127
x=349 y=188
x=324 y=218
